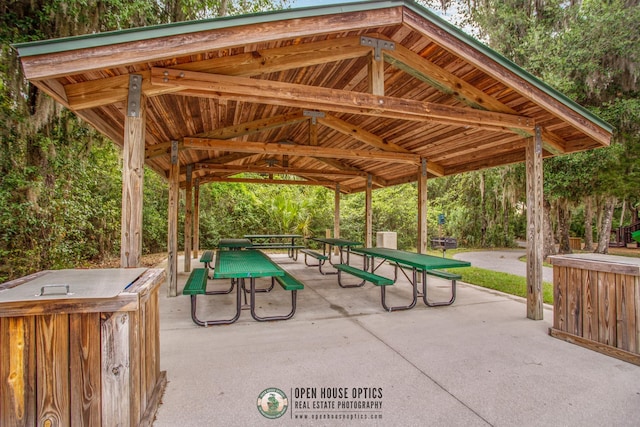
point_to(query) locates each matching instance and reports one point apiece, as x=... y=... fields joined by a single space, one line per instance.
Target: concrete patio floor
x=477 y=362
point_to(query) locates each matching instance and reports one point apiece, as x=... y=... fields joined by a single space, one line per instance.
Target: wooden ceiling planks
x=475 y=96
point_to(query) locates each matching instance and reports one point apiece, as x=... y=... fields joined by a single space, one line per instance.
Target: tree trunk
x=588 y=224
x=605 y=226
x=624 y=207
x=563 y=226
x=549 y=242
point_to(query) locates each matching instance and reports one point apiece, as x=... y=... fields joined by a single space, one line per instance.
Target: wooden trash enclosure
x=81 y=360
x=597 y=303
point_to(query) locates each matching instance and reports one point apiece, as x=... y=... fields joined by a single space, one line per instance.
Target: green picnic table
x=277 y=241
x=234 y=244
x=239 y=265
x=418 y=264
x=342 y=245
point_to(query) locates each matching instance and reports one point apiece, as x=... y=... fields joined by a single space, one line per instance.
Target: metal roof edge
x=510 y=65
x=186 y=27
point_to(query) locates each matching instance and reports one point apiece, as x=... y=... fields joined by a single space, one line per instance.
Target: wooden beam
x=369 y=138
x=441 y=79
x=297 y=150
x=206 y=179
x=446 y=82
x=278 y=170
x=105 y=91
x=360 y=134
x=302 y=96
x=254 y=126
x=535 y=243
x=376 y=76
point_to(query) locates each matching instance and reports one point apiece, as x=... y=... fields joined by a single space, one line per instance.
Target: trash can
x=81 y=347
x=387 y=239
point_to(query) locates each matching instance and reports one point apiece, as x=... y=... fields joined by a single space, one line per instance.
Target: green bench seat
x=444 y=275
x=207 y=258
x=289 y=283
x=196 y=283
x=365 y=275
x=314 y=254
x=322 y=258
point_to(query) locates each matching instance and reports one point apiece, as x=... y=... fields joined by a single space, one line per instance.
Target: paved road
x=505 y=261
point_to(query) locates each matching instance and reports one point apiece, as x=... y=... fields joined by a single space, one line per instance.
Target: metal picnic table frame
x=418 y=263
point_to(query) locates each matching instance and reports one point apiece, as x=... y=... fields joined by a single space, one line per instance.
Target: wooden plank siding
x=598 y=307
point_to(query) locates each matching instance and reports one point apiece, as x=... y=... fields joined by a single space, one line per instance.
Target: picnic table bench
x=322 y=258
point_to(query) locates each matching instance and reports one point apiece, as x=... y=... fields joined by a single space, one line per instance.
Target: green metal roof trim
x=178 y=28
x=187 y=27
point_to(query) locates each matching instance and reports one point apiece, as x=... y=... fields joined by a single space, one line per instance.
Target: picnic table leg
x=357 y=285
x=269 y=318
x=206 y=323
x=228 y=291
x=437 y=304
x=264 y=289
x=383 y=296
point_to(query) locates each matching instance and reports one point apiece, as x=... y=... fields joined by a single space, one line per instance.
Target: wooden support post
x=376 y=76
x=336 y=216
x=196 y=219
x=172 y=233
x=188 y=219
x=368 y=229
x=534 y=226
x=422 y=207
x=132 y=175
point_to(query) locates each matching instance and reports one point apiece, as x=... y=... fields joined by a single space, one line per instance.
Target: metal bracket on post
x=134 y=96
x=174 y=152
x=378 y=45
x=423 y=169
x=538 y=141
x=315 y=115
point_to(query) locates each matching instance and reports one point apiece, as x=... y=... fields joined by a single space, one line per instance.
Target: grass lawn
x=503 y=282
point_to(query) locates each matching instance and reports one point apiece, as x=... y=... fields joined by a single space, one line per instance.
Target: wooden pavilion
x=351 y=97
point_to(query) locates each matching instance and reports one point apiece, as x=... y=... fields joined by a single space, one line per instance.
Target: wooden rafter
x=302 y=96
x=369 y=138
x=297 y=150
x=446 y=82
x=279 y=170
x=492 y=67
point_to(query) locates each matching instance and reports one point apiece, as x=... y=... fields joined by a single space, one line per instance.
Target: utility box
x=387 y=239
